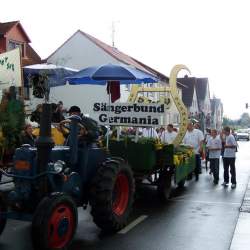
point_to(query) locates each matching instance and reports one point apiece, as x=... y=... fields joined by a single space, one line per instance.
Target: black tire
x=3 y=221
x=181 y=183
x=112 y=196
x=54 y=211
x=190 y=176
x=164 y=187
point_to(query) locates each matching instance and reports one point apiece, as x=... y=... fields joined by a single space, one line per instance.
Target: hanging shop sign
x=130 y=114
x=10 y=69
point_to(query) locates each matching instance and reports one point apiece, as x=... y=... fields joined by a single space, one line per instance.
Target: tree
x=245 y=120
x=229 y=122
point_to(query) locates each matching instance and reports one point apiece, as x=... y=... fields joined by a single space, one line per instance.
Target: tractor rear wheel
x=3 y=220
x=112 y=196
x=54 y=223
x=164 y=187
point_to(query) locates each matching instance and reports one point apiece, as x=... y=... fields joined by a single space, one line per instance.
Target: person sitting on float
x=27 y=137
x=88 y=125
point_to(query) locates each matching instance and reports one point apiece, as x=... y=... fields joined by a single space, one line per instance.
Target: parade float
x=152 y=161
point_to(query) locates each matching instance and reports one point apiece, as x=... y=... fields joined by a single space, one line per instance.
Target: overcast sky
x=210 y=37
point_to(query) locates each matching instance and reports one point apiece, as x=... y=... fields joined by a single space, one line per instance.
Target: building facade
x=13 y=35
x=82 y=50
x=217 y=113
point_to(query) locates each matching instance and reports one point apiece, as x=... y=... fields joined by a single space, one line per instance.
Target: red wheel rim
x=61 y=226
x=120 y=194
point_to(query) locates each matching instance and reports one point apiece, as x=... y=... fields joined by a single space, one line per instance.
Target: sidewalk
x=241 y=238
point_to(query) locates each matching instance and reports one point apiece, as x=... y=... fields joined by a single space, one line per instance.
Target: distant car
x=242 y=135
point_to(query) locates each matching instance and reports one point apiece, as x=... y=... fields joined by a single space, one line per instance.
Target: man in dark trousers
x=214 y=149
x=229 y=158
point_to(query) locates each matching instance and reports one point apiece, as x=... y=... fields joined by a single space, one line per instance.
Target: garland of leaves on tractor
x=12 y=120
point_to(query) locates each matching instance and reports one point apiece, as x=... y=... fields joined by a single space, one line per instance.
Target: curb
x=245 y=206
x=241 y=235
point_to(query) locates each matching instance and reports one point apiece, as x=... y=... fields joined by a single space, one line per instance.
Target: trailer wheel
x=164 y=186
x=112 y=196
x=54 y=223
x=3 y=208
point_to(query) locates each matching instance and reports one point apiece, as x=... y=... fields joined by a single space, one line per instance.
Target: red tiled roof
x=6 y=27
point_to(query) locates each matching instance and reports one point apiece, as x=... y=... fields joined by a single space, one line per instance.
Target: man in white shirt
x=194 y=138
x=214 y=148
x=169 y=135
x=229 y=158
x=149 y=133
x=206 y=138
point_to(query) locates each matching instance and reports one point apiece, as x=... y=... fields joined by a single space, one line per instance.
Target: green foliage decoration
x=12 y=120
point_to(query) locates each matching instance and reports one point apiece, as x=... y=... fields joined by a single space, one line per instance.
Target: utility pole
x=113 y=32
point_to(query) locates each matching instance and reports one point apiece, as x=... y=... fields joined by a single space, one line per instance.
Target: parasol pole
x=108 y=115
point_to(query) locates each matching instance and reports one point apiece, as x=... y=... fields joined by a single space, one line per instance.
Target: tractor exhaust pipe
x=44 y=143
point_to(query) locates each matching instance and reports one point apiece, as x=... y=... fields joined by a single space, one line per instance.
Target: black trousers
x=229 y=162
x=197 y=165
x=214 y=166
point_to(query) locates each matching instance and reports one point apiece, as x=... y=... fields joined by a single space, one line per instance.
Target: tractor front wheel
x=3 y=220
x=112 y=196
x=54 y=223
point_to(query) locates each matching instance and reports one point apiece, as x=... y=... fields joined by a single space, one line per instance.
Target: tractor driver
x=88 y=127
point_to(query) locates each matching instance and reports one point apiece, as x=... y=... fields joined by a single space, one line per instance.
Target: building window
x=14 y=45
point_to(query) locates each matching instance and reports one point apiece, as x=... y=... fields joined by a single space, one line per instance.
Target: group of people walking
x=217 y=145
x=224 y=145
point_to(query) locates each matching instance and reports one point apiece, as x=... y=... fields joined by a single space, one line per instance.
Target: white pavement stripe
x=210 y=202
x=132 y=224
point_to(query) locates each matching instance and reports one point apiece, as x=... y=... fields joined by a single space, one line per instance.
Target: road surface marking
x=133 y=224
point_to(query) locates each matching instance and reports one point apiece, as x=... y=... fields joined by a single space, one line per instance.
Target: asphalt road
x=201 y=216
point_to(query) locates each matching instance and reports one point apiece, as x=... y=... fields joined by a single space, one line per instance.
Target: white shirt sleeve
x=201 y=136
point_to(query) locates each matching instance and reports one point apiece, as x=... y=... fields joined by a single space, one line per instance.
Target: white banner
x=10 y=69
x=130 y=114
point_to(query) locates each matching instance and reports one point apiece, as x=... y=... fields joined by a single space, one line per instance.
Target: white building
x=82 y=50
x=217 y=113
